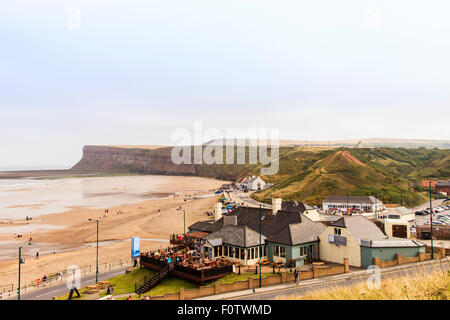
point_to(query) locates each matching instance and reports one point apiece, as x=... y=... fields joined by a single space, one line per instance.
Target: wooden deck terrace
x=192 y=274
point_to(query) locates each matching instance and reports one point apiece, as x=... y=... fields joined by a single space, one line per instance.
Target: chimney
x=276 y=205
x=218 y=211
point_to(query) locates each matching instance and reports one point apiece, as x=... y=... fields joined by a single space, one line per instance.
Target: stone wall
x=438 y=254
x=284 y=277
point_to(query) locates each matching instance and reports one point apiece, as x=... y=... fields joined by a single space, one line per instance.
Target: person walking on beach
x=37 y=255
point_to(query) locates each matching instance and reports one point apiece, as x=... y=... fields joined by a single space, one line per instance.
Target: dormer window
x=337 y=231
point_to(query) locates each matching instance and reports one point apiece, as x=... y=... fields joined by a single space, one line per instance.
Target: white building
x=365 y=205
x=253 y=183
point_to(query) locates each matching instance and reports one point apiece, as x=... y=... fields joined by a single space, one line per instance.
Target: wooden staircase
x=157 y=278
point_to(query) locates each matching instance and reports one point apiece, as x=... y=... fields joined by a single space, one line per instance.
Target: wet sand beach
x=147 y=208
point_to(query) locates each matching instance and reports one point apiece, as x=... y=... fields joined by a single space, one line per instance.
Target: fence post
x=346 y=265
x=181 y=293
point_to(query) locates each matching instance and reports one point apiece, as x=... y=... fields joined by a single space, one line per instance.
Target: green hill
x=305 y=173
x=387 y=173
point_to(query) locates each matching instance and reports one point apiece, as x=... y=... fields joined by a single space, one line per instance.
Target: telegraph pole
x=347 y=204
x=431 y=224
x=96 y=269
x=20 y=262
x=260 y=245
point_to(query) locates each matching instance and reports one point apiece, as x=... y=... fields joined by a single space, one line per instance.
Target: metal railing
x=60 y=277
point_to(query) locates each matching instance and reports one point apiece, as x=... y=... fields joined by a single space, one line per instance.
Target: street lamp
x=20 y=263
x=184 y=215
x=431 y=223
x=261 y=218
x=401 y=198
x=347 y=203
x=96 y=264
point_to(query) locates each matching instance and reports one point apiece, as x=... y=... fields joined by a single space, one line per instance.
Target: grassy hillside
x=306 y=174
x=312 y=174
x=420 y=286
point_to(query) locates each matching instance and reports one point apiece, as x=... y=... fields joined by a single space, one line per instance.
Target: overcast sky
x=135 y=71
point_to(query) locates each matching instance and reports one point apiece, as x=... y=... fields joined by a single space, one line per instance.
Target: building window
x=337 y=231
x=280 y=251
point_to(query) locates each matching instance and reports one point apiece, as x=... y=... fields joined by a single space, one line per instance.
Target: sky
x=85 y=72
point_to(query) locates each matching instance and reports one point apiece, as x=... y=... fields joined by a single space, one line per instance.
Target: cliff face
x=156 y=161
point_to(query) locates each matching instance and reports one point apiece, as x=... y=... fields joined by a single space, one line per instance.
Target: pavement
x=248 y=201
x=352 y=278
x=59 y=290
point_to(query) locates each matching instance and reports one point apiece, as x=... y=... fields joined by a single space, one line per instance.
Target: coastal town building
x=443 y=187
x=365 y=205
x=287 y=235
x=360 y=240
x=440 y=232
x=397 y=221
x=252 y=184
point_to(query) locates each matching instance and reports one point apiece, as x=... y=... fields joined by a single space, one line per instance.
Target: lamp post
x=184 y=217
x=347 y=203
x=20 y=262
x=96 y=260
x=431 y=224
x=401 y=198
x=261 y=218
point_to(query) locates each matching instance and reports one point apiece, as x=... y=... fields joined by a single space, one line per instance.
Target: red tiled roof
x=198 y=235
x=426 y=183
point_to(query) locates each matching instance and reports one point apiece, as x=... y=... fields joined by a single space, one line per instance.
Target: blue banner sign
x=135 y=247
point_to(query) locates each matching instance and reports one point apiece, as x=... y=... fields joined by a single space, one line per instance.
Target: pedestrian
x=37 y=255
x=129 y=298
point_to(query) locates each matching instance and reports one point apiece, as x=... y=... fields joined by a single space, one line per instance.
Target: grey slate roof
x=293 y=206
x=249 y=216
x=205 y=226
x=392 y=242
x=360 y=227
x=444 y=184
x=351 y=199
x=298 y=233
x=369 y=235
x=399 y=210
x=240 y=236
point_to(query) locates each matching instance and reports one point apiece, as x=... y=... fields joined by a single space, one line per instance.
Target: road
x=59 y=290
x=245 y=197
x=345 y=280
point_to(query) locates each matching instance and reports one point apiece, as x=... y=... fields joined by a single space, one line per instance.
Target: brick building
x=443 y=187
x=440 y=232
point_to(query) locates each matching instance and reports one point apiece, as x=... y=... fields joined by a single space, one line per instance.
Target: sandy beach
x=146 y=207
